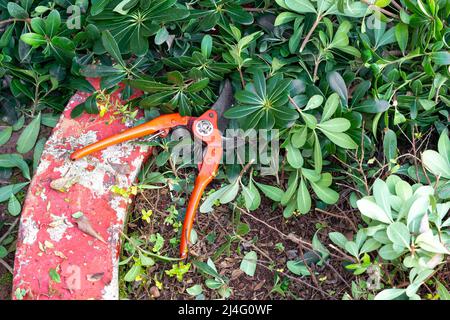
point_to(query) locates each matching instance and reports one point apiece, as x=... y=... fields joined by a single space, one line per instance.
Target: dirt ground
x=268 y=231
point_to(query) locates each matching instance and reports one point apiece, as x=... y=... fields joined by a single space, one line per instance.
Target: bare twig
x=297 y=279
x=14 y=20
x=290 y=236
x=11 y=227
x=338 y=216
x=6 y=265
x=376 y=8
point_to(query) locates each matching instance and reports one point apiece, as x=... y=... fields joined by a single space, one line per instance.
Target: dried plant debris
x=63 y=184
x=85 y=226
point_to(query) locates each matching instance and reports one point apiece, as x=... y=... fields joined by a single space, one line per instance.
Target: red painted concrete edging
x=55 y=259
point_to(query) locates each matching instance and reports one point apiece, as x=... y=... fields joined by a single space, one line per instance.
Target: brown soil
x=268 y=229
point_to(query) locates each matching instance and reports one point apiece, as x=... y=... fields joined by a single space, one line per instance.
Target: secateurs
x=207 y=128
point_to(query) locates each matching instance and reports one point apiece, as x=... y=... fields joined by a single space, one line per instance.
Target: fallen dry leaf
x=63 y=184
x=95 y=276
x=259 y=285
x=48 y=244
x=85 y=226
x=236 y=274
x=59 y=254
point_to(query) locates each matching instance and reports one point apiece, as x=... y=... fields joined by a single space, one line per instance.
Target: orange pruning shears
x=207 y=128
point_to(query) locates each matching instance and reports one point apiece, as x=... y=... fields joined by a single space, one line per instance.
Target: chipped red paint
x=49 y=237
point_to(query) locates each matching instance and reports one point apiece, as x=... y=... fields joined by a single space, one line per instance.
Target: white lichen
x=29 y=230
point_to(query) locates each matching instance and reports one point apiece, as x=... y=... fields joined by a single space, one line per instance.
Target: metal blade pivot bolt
x=204 y=128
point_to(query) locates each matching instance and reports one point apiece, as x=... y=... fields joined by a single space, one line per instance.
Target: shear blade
x=223 y=102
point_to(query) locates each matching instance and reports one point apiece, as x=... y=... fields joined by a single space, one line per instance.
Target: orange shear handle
x=208 y=171
x=163 y=122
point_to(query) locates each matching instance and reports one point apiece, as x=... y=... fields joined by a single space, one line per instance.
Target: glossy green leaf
x=29 y=135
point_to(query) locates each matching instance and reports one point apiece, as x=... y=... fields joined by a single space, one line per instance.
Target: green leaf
x=124 y=6
x=390 y=294
x=294 y=157
x=195 y=290
x=373 y=106
x=207 y=268
x=317 y=154
x=98 y=6
x=390 y=145
x=370 y=245
x=300 y=6
x=52 y=23
x=15 y=160
x=54 y=275
x=251 y=196
x=403 y=190
x=337 y=83
x=382 y=196
x=5 y=135
x=38 y=25
x=441 y=58
x=338 y=239
x=230 y=193
x=442 y=291
x=33 y=39
x=352 y=248
x=206 y=45
x=7 y=191
x=111 y=47
x=242 y=229
x=340 y=39
x=436 y=164
x=6 y=37
x=271 y=192
x=314 y=102
x=327 y=195
x=399 y=234
x=37 y=152
x=3 y=252
x=401 y=34
x=373 y=211
x=335 y=125
x=198 y=85
x=330 y=107
x=161 y=36
x=248 y=264
x=16 y=11
x=292 y=187
x=343 y=140
x=387 y=252
x=147 y=261
x=62 y=49
x=29 y=135
x=223 y=195
x=427 y=241
x=427 y=104
x=298 y=139
x=134 y=271
x=14 y=207
x=443 y=145
x=298 y=268
x=303 y=198
x=285 y=17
